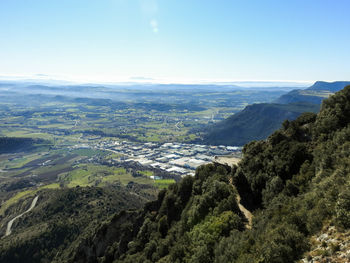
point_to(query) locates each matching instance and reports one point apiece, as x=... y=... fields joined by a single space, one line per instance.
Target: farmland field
x=67 y=125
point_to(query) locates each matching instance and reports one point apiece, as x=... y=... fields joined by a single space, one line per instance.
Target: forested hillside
x=61 y=219
x=258 y=121
x=295 y=183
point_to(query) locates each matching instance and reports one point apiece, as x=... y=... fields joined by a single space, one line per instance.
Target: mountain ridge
x=258 y=121
x=255 y=122
x=313 y=94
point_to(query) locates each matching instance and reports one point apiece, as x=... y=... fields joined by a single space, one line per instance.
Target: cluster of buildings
x=178 y=158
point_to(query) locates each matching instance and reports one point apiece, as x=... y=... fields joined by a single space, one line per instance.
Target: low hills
x=258 y=121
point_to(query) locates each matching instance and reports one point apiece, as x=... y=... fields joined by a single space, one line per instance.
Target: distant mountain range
x=314 y=94
x=47 y=80
x=258 y=121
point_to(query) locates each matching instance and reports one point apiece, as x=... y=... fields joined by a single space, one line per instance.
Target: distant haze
x=47 y=80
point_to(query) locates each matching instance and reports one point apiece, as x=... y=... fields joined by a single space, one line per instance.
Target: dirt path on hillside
x=244 y=210
x=9 y=224
x=230 y=160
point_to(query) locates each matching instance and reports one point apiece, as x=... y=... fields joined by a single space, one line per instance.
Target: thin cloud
x=154 y=26
x=149 y=9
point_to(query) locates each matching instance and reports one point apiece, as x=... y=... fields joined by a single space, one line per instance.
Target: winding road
x=9 y=224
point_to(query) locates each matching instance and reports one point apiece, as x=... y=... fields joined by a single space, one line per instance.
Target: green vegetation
x=25 y=174
x=163 y=183
x=89 y=152
x=184 y=223
x=14 y=200
x=25 y=195
x=61 y=220
x=146 y=173
x=294 y=183
x=99 y=175
x=141 y=114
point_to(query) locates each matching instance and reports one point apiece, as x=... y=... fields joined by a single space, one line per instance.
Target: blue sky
x=176 y=40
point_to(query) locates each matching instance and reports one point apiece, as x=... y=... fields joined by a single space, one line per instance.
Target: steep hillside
x=296 y=183
x=255 y=122
x=329 y=86
x=60 y=219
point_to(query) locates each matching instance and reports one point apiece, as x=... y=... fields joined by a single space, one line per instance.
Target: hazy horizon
x=45 y=79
